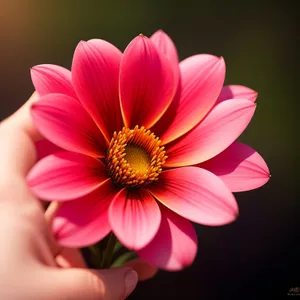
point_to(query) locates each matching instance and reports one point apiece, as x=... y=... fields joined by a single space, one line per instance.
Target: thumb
x=84 y=284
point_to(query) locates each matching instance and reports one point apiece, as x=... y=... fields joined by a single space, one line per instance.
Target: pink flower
x=142 y=146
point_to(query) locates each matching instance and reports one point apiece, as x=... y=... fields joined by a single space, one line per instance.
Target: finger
x=65 y=257
x=145 y=271
x=17 y=152
x=17 y=135
x=70 y=258
x=49 y=216
x=83 y=284
x=17 y=156
x=51 y=211
x=21 y=119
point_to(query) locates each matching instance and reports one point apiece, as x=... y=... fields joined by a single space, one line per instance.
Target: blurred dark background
x=257 y=257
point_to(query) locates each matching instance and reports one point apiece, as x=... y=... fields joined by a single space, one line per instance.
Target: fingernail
x=131 y=279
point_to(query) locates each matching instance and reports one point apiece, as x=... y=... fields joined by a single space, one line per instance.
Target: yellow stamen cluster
x=134 y=157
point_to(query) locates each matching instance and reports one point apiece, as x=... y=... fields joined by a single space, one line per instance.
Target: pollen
x=135 y=157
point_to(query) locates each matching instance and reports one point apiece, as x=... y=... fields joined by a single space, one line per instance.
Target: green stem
x=108 y=252
x=121 y=260
x=96 y=256
x=118 y=246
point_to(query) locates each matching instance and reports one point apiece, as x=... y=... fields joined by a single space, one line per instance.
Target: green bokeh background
x=257 y=256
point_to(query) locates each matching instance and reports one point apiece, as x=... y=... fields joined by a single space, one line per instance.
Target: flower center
x=134 y=157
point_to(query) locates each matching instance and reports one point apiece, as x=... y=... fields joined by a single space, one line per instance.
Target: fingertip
x=144 y=270
x=105 y=284
x=21 y=119
x=131 y=279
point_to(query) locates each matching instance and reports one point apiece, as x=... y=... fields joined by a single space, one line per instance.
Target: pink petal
x=147 y=83
x=237 y=92
x=220 y=128
x=165 y=44
x=197 y=195
x=66 y=176
x=95 y=72
x=175 y=245
x=65 y=122
x=45 y=148
x=134 y=218
x=83 y=222
x=240 y=167
x=52 y=79
x=202 y=78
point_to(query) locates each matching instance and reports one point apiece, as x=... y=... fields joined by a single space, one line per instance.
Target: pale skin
x=32 y=265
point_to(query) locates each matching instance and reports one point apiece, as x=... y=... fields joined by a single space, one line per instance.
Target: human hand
x=32 y=265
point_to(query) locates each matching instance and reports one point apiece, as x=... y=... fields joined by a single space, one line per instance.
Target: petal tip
x=36 y=69
x=231 y=219
x=267 y=175
x=235 y=213
x=248 y=104
x=33 y=71
x=253 y=105
x=221 y=61
x=141 y=37
x=82 y=44
x=265 y=169
x=253 y=96
x=33 y=107
x=217 y=63
x=159 y=32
